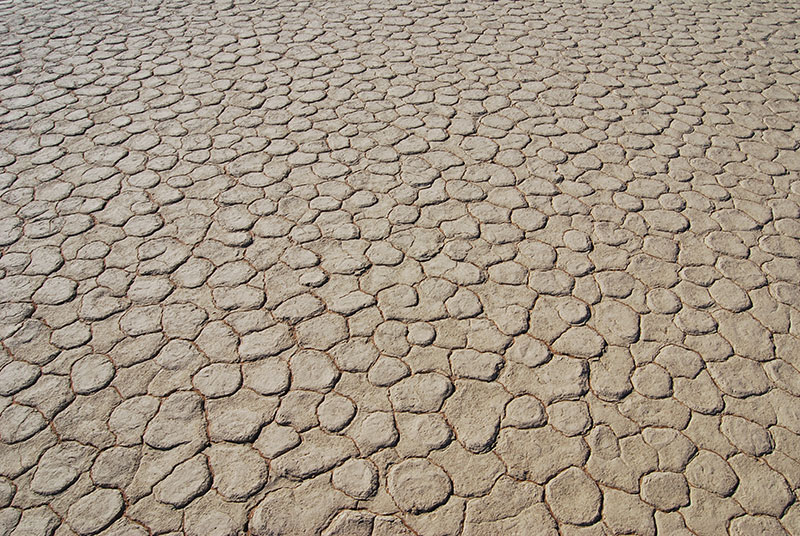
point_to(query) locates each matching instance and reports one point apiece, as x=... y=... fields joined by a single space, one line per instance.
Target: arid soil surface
x=402 y=267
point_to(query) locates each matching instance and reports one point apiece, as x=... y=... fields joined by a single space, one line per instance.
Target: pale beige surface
x=434 y=268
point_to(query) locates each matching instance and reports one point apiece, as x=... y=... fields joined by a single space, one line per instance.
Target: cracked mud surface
x=399 y=268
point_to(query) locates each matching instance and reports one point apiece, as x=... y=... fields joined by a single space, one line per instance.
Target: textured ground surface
x=427 y=268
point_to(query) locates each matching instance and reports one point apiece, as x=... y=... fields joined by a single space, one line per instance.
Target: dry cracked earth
x=409 y=267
